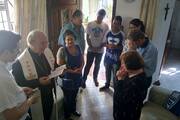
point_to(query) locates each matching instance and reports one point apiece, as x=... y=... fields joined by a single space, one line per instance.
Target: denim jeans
x=111 y=70
x=91 y=56
x=69 y=101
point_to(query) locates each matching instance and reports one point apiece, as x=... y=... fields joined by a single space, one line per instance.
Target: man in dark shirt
x=33 y=67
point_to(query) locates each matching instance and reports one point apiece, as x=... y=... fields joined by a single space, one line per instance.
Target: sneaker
x=83 y=85
x=96 y=83
x=157 y=83
x=77 y=114
x=68 y=119
x=103 y=88
x=81 y=90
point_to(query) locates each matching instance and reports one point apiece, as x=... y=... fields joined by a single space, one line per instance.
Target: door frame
x=114 y=9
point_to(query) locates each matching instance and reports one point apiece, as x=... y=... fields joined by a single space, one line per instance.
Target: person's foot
x=83 y=85
x=81 y=89
x=157 y=83
x=77 y=114
x=103 y=88
x=96 y=83
x=69 y=118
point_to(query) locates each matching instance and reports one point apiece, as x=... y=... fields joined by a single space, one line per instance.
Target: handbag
x=173 y=103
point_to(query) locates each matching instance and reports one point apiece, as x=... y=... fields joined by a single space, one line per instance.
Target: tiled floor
x=95 y=105
x=170 y=74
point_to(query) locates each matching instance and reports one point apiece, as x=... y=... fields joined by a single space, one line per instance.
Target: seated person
x=71 y=56
x=14 y=104
x=130 y=89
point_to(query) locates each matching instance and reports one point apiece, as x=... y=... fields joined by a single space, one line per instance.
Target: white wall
x=161 y=30
x=128 y=11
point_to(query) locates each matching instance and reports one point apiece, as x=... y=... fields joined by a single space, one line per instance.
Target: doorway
x=90 y=9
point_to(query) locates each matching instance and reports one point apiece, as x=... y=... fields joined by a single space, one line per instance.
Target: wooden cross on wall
x=166 y=11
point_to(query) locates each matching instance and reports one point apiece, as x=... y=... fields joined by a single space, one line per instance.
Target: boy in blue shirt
x=114 y=47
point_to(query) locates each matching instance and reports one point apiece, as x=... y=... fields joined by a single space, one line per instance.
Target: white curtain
x=30 y=14
x=148 y=15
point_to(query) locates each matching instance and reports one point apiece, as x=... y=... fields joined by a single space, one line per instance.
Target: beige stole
x=28 y=65
x=30 y=73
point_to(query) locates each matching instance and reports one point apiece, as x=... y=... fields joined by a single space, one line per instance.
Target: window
x=7 y=15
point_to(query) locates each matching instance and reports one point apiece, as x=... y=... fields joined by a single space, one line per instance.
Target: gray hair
x=32 y=36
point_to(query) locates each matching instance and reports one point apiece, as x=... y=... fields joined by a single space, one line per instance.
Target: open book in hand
x=58 y=71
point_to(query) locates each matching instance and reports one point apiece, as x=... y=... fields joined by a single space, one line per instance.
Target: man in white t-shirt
x=13 y=101
x=96 y=31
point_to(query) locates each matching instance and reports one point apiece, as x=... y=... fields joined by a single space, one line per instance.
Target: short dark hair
x=118 y=18
x=138 y=23
x=101 y=12
x=8 y=40
x=136 y=35
x=132 y=60
x=69 y=32
x=77 y=13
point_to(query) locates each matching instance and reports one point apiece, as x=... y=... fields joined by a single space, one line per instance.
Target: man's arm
x=20 y=79
x=104 y=39
x=16 y=113
x=150 y=60
x=88 y=41
x=61 y=36
x=87 y=35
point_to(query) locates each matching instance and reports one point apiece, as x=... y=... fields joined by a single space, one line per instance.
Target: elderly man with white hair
x=32 y=68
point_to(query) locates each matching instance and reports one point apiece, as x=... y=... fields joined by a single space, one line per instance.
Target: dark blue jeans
x=69 y=101
x=111 y=70
x=91 y=56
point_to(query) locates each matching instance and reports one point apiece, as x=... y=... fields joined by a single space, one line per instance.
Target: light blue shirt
x=149 y=54
x=79 y=40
